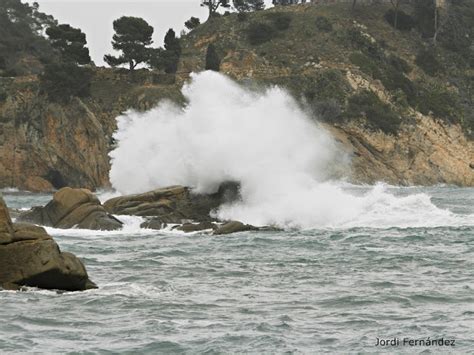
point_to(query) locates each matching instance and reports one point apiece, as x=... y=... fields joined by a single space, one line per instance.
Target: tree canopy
x=192 y=23
x=214 y=5
x=21 y=29
x=70 y=42
x=133 y=36
x=249 y=5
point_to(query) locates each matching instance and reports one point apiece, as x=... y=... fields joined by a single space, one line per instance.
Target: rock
x=174 y=204
x=234 y=227
x=72 y=208
x=153 y=223
x=30 y=257
x=196 y=227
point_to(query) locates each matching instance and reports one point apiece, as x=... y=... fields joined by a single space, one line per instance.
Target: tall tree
x=71 y=43
x=132 y=37
x=213 y=5
x=212 y=59
x=172 y=52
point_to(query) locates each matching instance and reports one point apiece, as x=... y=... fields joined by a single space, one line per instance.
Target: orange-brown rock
x=30 y=257
x=71 y=208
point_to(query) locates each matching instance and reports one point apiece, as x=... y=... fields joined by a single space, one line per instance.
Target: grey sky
x=95 y=17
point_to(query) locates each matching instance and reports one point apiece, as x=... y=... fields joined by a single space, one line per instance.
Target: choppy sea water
x=333 y=290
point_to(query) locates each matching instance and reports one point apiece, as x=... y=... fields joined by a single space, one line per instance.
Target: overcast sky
x=95 y=17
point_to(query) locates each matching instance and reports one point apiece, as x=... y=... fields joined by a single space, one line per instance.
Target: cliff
x=46 y=145
x=353 y=71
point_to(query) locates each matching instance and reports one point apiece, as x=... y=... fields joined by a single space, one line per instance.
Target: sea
x=395 y=279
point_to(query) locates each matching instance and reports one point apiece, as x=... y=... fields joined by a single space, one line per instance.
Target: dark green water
x=331 y=290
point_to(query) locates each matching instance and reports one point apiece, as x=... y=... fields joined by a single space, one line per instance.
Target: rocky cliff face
x=45 y=145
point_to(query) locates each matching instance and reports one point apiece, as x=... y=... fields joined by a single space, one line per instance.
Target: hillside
x=403 y=119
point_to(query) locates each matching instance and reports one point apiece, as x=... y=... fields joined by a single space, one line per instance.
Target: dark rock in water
x=234 y=227
x=196 y=227
x=175 y=204
x=72 y=208
x=30 y=257
x=153 y=223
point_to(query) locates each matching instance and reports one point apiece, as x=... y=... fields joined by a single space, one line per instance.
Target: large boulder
x=72 y=208
x=30 y=257
x=175 y=205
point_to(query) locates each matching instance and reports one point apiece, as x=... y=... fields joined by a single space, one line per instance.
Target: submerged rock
x=72 y=208
x=196 y=227
x=234 y=227
x=30 y=257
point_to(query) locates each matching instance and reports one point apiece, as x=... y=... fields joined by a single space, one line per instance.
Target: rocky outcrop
x=175 y=205
x=30 y=257
x=423 y=154
x=178 y=205
x=234 y=227
x=72 y=208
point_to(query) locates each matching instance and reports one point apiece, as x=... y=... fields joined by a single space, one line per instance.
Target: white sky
x=95 y=17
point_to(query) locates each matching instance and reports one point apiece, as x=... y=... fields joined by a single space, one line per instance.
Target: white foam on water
x=264 y=140
x=131 y=226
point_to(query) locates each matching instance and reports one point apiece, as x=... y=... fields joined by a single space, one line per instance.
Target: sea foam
x=283 y=159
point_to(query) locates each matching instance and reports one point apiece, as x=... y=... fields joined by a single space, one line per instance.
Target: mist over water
x=283 y=159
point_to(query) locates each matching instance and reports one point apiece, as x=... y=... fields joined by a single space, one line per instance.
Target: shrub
x=282 y=22
x=377 y=114
x=441 y=102
x=394 y=80
x=242 y=16
x=363 y=43
x=63 y=81
x=327 y=110
x=323 y=24
x=3 y=95
x=404 y=21
x=259 y=33
x=399 y=64
x=426 y=60
x=331 y=84
x=365 y=64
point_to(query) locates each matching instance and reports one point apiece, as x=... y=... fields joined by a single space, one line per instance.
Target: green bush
x=323 y=24
x=399 y=64
x=440 y=102
x=378 y=115
x=327 y=110
x=242 y=16
x=394 y=80
x=63 y=81
x=404 y=21
x=281 y=21
x=358 y=40
x=426 y=60
x=365 y=64
x=390 y=74
x=331 y=85
x=3 y=95
x=259 y=33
